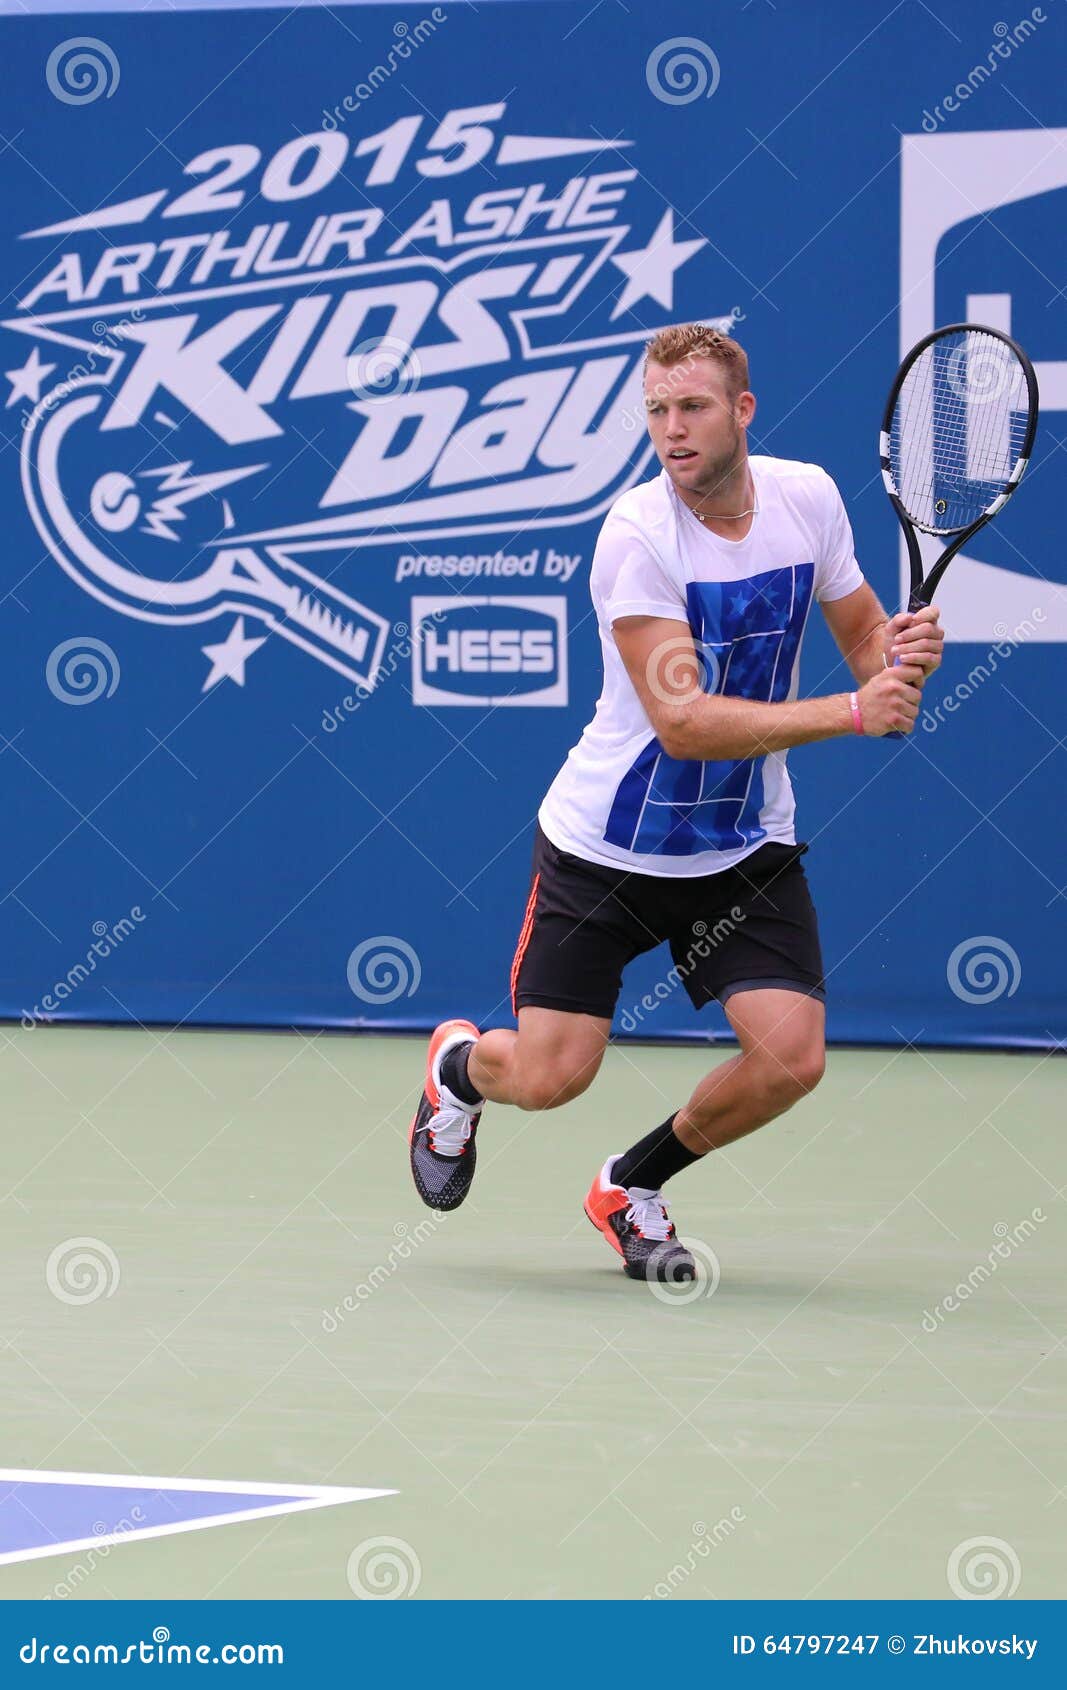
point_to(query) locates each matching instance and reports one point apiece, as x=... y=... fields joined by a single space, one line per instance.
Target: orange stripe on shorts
x=524 y=939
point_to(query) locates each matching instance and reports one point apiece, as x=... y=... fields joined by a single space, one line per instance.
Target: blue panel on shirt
x=749 y=633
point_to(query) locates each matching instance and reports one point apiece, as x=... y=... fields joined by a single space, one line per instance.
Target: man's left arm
x=870 y=640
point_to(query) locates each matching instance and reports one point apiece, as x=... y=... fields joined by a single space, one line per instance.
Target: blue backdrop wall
x=322 y=337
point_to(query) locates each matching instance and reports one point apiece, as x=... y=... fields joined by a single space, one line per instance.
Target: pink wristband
x=857 y=714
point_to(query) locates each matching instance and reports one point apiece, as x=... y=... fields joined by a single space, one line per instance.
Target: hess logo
x=479 y=651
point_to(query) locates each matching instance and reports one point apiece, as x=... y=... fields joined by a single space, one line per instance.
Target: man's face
x=696 y=428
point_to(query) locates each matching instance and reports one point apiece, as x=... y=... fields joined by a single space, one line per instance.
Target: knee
x=788 y=1074
x=808 y=1068
x=551 y=1087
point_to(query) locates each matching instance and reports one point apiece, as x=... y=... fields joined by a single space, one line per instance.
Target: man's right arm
x=692 y=725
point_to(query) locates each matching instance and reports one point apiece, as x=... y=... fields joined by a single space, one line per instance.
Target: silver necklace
x=735 y=518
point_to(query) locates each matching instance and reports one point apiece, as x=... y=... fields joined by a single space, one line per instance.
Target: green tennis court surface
x=877 y=1379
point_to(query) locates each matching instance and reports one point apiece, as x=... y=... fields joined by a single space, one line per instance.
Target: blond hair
x=685 y=341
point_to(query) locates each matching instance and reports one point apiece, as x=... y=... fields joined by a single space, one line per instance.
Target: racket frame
x=924 y=587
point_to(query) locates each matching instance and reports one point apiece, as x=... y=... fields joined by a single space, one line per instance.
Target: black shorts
x=749 y=926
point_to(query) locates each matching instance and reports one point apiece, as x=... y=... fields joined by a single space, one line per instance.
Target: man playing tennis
x=672 y=818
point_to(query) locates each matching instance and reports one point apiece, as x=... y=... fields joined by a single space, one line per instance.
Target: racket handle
x=895 y=733
x=916 y=598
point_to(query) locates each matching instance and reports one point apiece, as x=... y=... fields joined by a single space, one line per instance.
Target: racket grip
x=895 y=733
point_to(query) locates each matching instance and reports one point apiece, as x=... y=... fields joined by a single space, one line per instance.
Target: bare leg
x=553 y=1057
x=782 y=1038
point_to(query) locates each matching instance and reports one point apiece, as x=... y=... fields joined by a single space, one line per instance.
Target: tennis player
x=671 y=821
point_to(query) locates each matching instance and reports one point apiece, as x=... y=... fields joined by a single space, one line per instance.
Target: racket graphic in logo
x=145 y=540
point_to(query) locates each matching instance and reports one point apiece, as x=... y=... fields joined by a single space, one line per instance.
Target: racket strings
x=958 y=429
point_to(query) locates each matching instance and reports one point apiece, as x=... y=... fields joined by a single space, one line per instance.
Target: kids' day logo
x=237 y=379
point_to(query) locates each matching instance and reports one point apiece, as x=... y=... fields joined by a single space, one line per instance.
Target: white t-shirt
x=619 y=799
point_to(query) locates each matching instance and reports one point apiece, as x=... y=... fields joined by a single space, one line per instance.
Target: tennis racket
x=957 y=434
x=956 y=437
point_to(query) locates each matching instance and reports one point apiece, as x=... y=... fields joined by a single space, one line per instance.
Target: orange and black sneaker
x=635 y=1222
x=441 y=1139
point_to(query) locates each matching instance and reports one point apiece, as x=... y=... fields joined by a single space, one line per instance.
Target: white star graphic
x=229 y=658
x=651 y=271
x=26 y=383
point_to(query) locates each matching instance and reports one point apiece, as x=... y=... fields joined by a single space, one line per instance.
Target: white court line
x=303 y=1498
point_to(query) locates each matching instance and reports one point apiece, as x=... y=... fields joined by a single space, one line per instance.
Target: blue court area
x=45 y=1514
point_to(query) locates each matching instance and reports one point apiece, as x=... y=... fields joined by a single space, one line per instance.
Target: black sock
x=653 y=1159
x=454 y=1073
